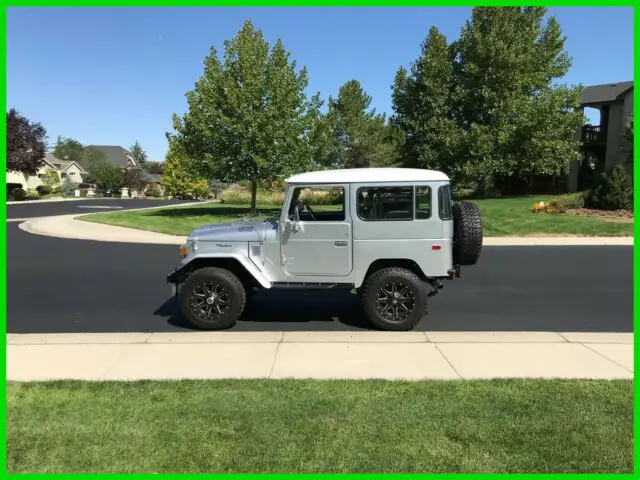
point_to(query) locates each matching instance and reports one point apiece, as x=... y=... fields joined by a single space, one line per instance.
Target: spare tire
x=467 y=233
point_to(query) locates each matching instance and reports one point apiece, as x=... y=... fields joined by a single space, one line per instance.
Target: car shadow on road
x=286 y=309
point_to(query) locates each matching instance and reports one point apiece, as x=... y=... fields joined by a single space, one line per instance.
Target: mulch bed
x=601 y=213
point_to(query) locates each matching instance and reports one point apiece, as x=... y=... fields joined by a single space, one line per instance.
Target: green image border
x=297 y=3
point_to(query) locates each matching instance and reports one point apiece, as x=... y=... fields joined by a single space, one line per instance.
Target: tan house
x=602 y=144
x=65 y=169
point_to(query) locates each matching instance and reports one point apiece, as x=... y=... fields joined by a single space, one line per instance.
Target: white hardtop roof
x=369 y=175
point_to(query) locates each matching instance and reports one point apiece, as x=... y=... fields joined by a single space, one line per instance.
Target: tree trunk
x=254 y=193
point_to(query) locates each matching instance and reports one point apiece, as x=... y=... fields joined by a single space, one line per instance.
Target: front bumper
x=175 y=278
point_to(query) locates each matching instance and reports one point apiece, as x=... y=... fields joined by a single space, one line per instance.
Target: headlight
x=190 y=247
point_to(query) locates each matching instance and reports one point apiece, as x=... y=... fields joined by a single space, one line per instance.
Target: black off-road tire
x=372 y=290
x=467 y=235
x=234 y=292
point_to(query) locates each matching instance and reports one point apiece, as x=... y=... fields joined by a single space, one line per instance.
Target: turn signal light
x=183 y=250
x=436 y=247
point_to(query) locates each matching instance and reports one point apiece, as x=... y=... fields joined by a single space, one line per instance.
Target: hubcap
x=209 y=300
x=395 y=301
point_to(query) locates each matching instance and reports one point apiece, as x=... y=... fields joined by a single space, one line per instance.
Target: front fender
x=182 y=271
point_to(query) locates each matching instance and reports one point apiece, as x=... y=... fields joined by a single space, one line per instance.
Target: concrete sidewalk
x=68 y=226
x=320 y=355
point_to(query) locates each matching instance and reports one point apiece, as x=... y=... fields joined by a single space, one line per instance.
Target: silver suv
x=390 y=235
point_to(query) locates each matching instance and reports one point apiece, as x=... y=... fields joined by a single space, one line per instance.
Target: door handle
x=340 y=243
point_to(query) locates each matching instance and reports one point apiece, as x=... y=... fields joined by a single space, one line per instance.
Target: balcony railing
x=592 y=134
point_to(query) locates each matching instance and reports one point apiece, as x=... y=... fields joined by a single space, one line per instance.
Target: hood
x=244 y=231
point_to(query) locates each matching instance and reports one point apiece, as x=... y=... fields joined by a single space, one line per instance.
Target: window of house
x=445 y=205
x=322 y=204
x=41 y=175
x=63 y=175
x=72 y=173
x=385 y=203
x=423 y=202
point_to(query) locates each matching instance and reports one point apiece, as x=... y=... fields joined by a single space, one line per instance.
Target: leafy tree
x=179 y=175
x=26 y=144
x=487 y=106
x=107 y=176
x=134 y=179
x=423 y=102
x=360 y=137
x=248 y=117
x=138 y=154
x=51 y=179
x=68 y=149
x=92 y=158
x=154 y=167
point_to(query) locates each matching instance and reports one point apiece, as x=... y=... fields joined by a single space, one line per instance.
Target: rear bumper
x=454 y=272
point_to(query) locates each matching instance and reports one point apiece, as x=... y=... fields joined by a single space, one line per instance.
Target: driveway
x=116 y=287
x=45 y=209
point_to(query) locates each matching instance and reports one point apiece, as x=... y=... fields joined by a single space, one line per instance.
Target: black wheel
x=212 y=298
x=394 y=299
x=467 y=235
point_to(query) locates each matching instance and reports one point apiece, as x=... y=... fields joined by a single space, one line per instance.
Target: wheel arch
x=248 y=274
x=407 y=263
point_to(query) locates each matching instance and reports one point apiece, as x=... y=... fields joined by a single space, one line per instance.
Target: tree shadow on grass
x=226 y=211
x=282 y=310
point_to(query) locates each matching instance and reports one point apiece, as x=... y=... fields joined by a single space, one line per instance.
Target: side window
x=445 y=207
x=385 y=203
x=423 y=202
x=321 y=204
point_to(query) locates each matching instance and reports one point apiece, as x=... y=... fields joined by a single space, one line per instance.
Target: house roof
x=116 y=155
x=61 y=164
x=608 y=92
x=369 y=175
x=51 y=160
x=151 y=177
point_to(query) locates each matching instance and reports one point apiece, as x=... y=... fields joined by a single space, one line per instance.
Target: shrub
x=154 y=191
x=12 y=186
x=200 y=189
x=235 y=194
x=569 y=201
x=322 y=197
x=216 y=187
x=460 y=194
x=68 y=187
x=19 y=194
x=44 y=190
x=613 y=191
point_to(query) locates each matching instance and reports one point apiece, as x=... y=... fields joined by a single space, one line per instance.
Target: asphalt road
x=60 y=285
x=33 y=209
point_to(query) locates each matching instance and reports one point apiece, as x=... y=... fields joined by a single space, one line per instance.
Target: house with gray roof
x=115 y=155
x=602 y=144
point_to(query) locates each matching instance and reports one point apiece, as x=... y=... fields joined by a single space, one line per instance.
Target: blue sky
x=112 y=76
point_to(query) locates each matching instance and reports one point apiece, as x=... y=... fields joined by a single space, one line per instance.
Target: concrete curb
x=319 y=355
x=70 y=227
x=190 y=337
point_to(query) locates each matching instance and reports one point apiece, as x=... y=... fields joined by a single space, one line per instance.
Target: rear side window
x=423 y=202
x=385 y=203
x=445 y=207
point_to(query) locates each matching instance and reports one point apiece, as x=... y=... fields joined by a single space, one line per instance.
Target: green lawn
x=513 y=216
x=500 y=216
x=320 y=426
x=179 y=220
